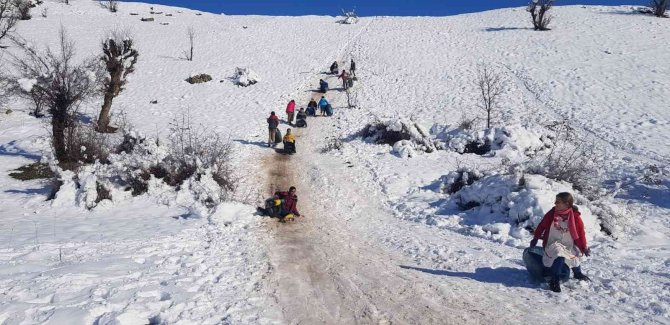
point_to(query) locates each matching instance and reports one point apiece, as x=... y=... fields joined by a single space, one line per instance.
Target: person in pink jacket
x=290 y=111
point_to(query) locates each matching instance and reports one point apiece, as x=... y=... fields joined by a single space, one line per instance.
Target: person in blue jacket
x=323 y=86
x=322 y=105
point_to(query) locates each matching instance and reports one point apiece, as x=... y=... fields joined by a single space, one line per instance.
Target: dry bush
x=200 y=78
x=658 y=7
x=7 y=17
x=571 y=159
x=85 y=146
x=194 y=146
x=61 y=84
x=538 y=12
x=456 y=180
x=23 y=9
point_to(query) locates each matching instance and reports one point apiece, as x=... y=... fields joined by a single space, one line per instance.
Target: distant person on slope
x=334 y=68
x=345 y=79
x=322 y=105
x=311 y=107
x=289 y=142
x=273 y=123
x=563 y=241
x=323 y=86
x=352 y=68
x=291 y=201
x=301 y=118
x=290 y=111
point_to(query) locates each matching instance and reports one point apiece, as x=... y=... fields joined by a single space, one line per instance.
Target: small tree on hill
x=190 y=33
x=119 y=58
x=538 y=11
x=7 y=17
x=62 y=84
x=659 y=7
x=491 y=87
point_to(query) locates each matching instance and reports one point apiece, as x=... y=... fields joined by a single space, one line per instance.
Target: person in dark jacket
x=311 y=107
x=273 y=123
x=352 y=68
x=334 y=68
x=323 y=86
x=291 y=201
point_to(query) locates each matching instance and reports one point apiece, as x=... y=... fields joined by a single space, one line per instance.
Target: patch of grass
x=32 y=171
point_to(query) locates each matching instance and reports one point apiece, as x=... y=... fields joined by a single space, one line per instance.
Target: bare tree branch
x=491 y=87
x=8 y=18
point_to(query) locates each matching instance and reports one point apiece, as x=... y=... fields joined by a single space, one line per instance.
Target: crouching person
x=563 y=243
x=289 y=142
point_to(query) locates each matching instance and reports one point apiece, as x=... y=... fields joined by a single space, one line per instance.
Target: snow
x=382 y=240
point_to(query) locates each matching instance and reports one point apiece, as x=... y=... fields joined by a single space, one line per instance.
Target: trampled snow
x=381 y=240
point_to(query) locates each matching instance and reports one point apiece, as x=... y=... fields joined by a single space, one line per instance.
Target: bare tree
x=7 y=17
x=62 y=84
x=23 y=9
x=190 y=32
x=119 y=58
x=491 y=87
x=111 y=5
x=659 y=7
x=538 y=11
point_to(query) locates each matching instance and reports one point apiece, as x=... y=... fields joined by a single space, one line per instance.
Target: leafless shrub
x=86 y=145
x=380 y=134
x=190 y=33
x=538 y=12
x=7 y=17
x=23 y=9
x=467 y=122
x=200 y=78
x=61 y=84
x=659 y=7
x=571 y=159
x=45 y=12
x=119 y=57
x=456 y=180
x=491 y=87
x=193 y=146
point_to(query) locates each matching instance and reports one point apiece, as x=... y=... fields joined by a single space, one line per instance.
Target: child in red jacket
x=563 y=239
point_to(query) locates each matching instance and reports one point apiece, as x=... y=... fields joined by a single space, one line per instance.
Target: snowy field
x=382 y=241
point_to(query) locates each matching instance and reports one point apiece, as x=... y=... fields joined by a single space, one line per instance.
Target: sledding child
x=563 y=240
x=290 y=201
x=289 y=142
x=301 y=118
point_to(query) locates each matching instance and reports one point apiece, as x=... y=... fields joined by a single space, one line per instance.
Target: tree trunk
x=58 y=130
x=112 y=91
x=103 y=119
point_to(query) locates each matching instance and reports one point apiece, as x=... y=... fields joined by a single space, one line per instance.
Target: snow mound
x=510 y=141
x=406 y=136
x=245 y=77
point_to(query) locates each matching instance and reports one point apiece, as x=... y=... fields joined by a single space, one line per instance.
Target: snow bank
x=406 y=136
x=513 y=141
x=245 y=77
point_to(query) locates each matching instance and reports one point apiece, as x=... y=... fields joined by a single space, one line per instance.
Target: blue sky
x=363 y=7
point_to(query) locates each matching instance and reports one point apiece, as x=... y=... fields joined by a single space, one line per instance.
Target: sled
x=329 y=110
x=287 y=218
x=301 y=123
x=532 y=259
x=278 y=137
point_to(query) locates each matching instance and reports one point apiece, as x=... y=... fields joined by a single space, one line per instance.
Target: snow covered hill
x=382 y=240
